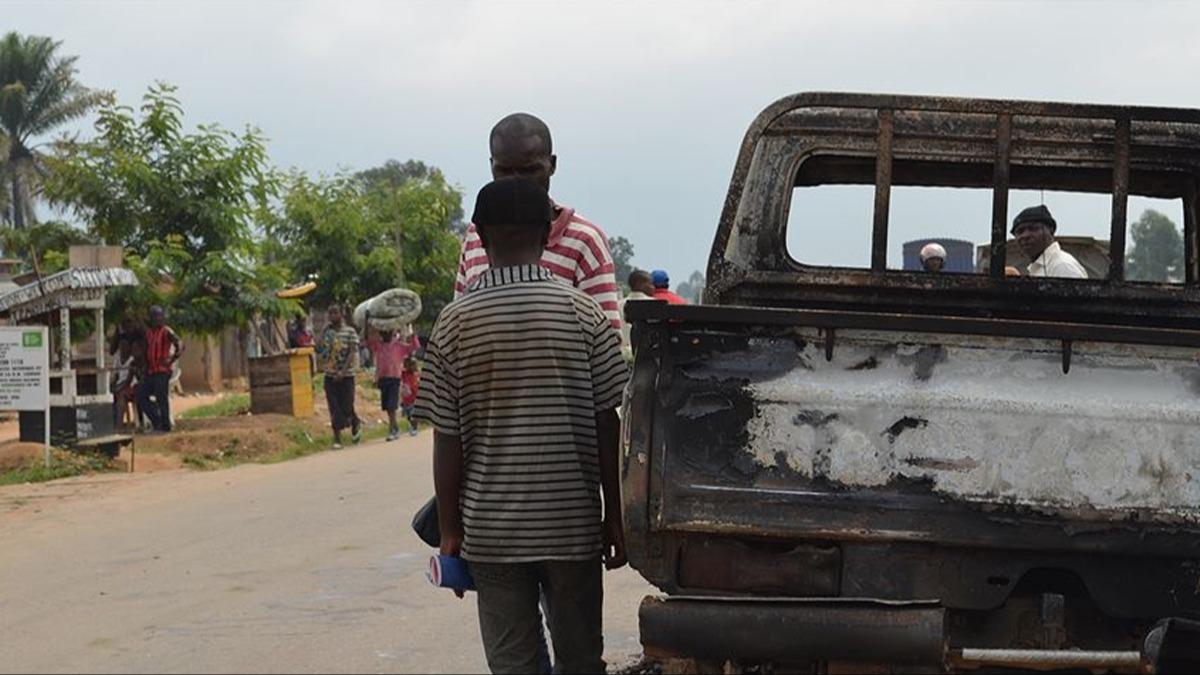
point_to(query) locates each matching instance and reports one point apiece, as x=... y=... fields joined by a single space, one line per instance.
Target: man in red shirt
x=662 y=288
x=577 y=250
x=163 y=349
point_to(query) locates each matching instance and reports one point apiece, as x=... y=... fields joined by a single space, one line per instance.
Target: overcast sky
x=647 y=101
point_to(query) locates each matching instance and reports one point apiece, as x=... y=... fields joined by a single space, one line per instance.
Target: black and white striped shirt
x=519 y=367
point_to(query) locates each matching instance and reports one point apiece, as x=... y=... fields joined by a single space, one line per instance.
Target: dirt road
x=306 y=566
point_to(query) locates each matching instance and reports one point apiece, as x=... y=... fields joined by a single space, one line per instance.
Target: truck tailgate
x=898 y=427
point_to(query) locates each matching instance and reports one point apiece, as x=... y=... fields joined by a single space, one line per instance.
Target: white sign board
x=25 y=373
x=24 y=368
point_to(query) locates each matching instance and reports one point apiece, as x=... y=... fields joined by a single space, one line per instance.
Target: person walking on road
x=410 y=385
x=526 y=468
x=338 y=350
x=576 y=250
x=163 y=349
x=390 y=353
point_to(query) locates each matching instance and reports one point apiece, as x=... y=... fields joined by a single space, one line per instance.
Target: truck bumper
x=793 y=630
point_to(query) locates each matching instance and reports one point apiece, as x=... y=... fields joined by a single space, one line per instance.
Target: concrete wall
x=220 y=362
x=200 y=364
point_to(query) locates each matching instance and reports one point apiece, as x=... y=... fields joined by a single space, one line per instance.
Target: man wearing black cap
x=1034 y=229
x=522 y=380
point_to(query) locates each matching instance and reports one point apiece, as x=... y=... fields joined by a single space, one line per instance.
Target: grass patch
x=304 y=442
x=230 y=405
x=301 y=442
x=63 y=464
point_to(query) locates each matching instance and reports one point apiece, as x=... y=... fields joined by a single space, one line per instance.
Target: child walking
x=410 y=383
x=391 y=353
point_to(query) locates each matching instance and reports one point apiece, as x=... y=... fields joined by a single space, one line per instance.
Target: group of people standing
x=146 y=359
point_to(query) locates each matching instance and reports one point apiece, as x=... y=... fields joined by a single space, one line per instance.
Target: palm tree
x=5 y=193
x=38 y=93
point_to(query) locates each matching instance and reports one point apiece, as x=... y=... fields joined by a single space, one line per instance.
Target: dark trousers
x=510 y=622
x=157 y=387
x=339 y=394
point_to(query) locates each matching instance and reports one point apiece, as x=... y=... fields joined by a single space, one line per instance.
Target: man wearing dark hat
x=1034 y=229
x=522 y=380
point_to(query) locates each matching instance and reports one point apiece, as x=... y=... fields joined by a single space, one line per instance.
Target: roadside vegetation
x=229 y=405
x=63 y=464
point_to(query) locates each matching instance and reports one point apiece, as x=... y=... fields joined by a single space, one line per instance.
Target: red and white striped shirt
x=576 y=253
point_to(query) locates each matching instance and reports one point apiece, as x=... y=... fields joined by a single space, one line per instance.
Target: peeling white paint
x=1002 y=423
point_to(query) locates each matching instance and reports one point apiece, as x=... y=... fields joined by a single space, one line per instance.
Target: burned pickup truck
x=835 y=468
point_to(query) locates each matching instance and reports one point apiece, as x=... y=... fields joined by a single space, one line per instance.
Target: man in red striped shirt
x=163 y=349
x=577 y=251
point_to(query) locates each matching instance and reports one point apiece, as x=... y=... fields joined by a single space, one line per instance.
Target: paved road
x=307 y=566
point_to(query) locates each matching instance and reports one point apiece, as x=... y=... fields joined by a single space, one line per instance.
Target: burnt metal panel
x=791 y=631
x=934 y=141
x=1120 y=203
x=883 y=192
x=980 y=579
x=759 y=567
x=1000 y=195
x=1191 y=256
x=752 y=318
x=703 y=420
x=706 y=488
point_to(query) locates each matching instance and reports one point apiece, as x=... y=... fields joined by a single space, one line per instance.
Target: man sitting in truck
x=933 y=257
x=1034 y=229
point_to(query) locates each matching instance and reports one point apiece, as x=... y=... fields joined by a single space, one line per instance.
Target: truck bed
x=840 y=428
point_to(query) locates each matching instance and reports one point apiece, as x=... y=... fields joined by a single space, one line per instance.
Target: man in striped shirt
x=522 y=380
x=576 y=250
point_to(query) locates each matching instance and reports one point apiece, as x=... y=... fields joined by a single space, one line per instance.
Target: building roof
x=68 y=288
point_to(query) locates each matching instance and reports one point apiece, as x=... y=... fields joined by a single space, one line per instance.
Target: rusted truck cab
x=834 y=468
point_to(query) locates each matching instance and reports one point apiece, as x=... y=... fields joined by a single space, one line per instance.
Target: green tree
x=1157 y=253
x=326 y=232
x=423 y=212
x=49 y=241
x=38 y=93
x=692 y=290
x=392 y=175
x=184 y=206
x=5 y=183
x=342 y=232
x=622 y=253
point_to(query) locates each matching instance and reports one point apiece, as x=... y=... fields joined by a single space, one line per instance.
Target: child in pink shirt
x=390 y=352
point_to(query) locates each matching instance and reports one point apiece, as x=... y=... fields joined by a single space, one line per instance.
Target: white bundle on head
x=393 y=310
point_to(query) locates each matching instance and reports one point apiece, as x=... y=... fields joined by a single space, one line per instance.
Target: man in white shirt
x=641 y=287
x=1034 y=229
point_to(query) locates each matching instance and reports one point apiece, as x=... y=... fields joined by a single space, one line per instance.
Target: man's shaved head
x=521 y=148
x=518 y=126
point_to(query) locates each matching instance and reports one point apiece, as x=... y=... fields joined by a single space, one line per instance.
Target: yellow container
x=282 y=383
